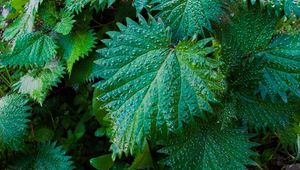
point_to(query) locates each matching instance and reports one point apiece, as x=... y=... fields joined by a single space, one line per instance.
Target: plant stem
x=8 y=75
x=1 y=92
x=7 y=83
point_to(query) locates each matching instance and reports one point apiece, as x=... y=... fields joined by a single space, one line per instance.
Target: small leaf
x=100 y=132
x=65 y=25
x=38 y=82
x=45 y=156
x=75 y=5
x=289 y=135
x=43 y=134
x=33 y=49
x=76 y=45
x=290 y=7
x=83 y=70
x=103 y=162
x=80 y=130
x=13 y=122
x=140 y=4
x=143 y=160
x=18 y=4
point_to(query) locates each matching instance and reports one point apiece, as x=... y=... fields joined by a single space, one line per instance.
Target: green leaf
x=65 y=25
x=80 y=130
x=30 y=50
x=76 y=46
x=38 y=82
x=18 y=4
x=281 y=67
x=102 y=4
x=256 y=61
x=259 y=113
x=151 y=86
x=249 y=31
x=100 y=132
x=143 y=160
x=289 y=135
x=227 y=112
x=290 y=7
x=187 y=18
x=47 y=15
x=210 y=148
x=97 y=110
x=43 y=134
x=75 y=5
x=94 y=69
x=103 y=162
x=84 y=70
x=46 y=156
x=25 y=24
x=13 y=120
x=140 y=4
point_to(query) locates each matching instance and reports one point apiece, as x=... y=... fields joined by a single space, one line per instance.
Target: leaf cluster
x=149 y=84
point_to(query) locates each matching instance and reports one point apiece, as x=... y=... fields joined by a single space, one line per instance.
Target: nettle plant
x=199 y=84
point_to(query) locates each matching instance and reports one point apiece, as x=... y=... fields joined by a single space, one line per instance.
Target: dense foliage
x=149 y=84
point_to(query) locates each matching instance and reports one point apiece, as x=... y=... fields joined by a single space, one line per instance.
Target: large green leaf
x=13 y=121
x=76 y=46
x=151 y=86
x=46 y=156
x=30 y=50
x=38 y=82
x=281 y=67
x=187 y=17
x=209 y=149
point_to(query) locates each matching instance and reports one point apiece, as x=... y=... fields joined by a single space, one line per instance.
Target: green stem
x=1 y=92
x=5 y=80
x=8 y=75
